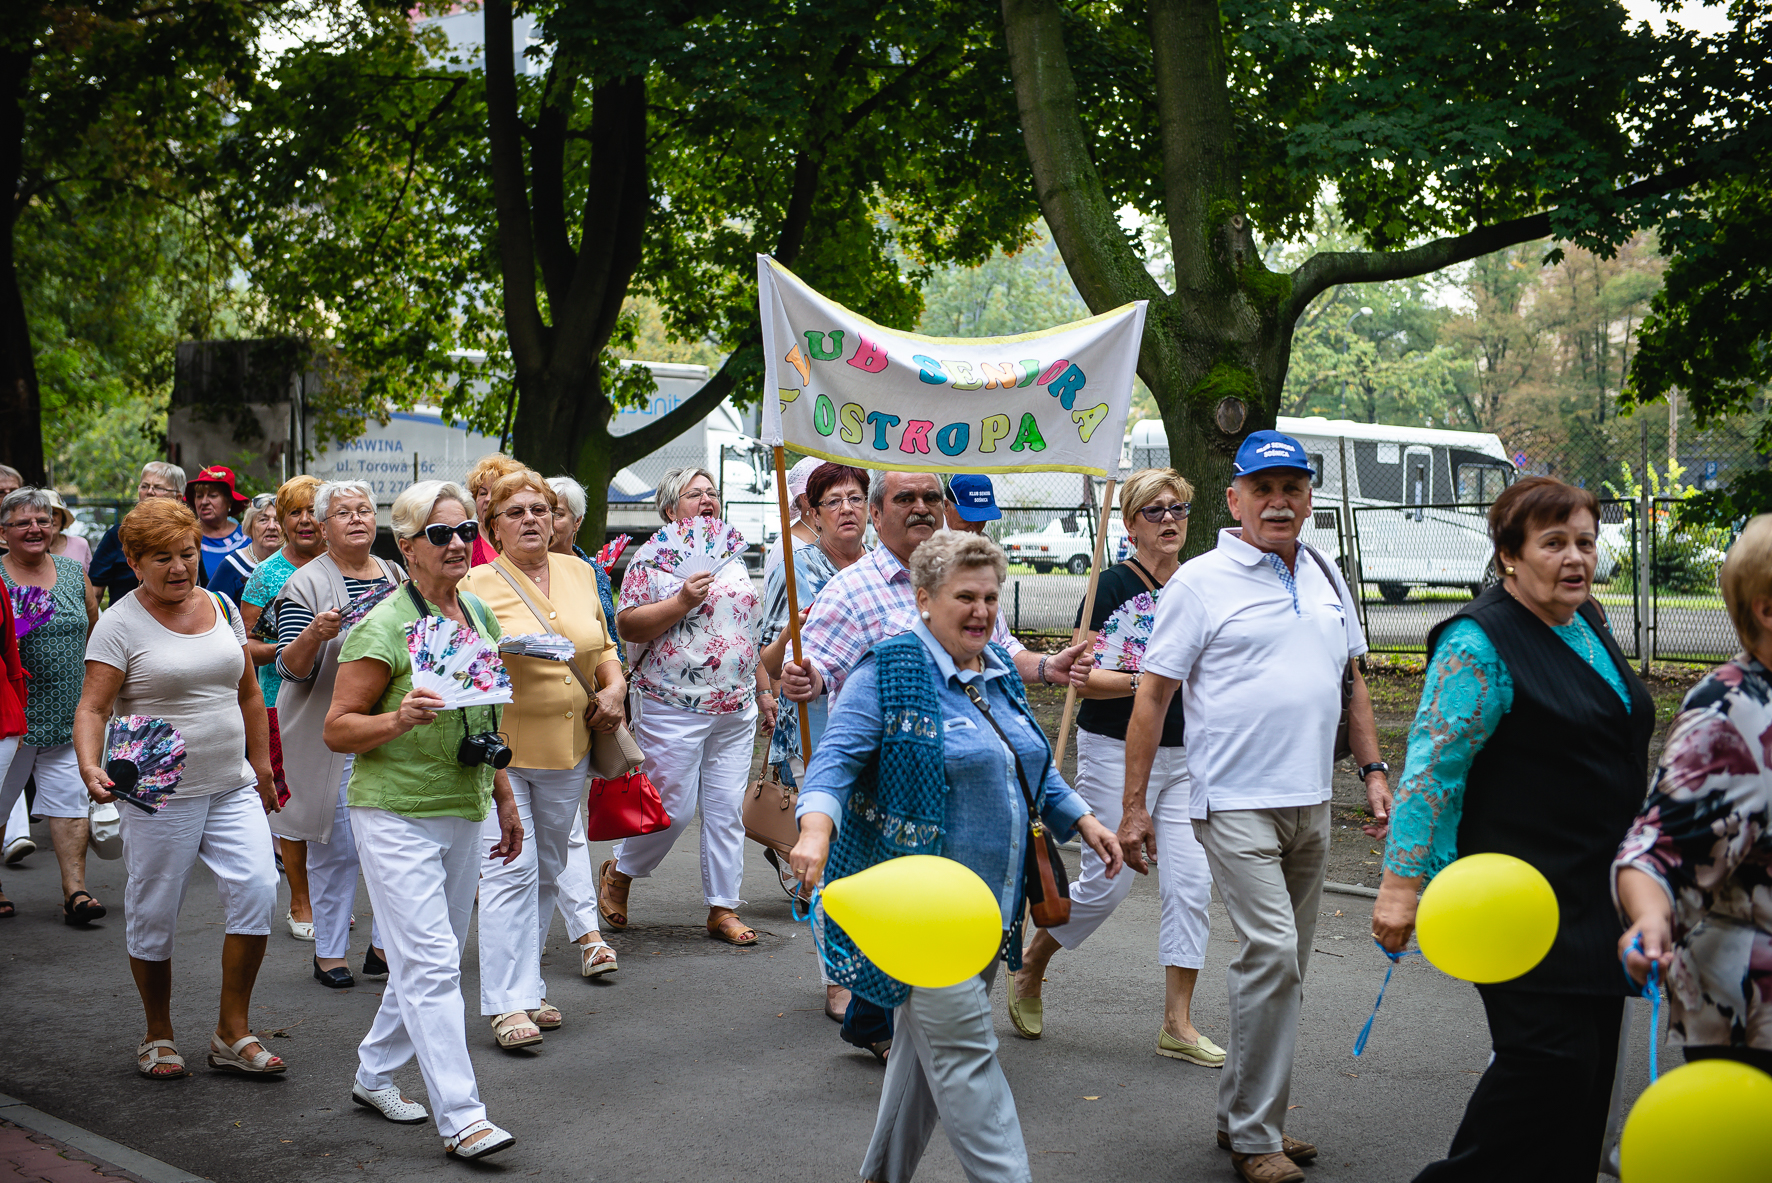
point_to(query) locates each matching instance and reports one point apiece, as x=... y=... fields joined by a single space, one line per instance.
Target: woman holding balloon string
x=1694 y=875
x=1531 y=740
x=940 y=781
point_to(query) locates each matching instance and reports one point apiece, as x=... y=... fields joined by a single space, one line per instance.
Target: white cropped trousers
x=228 y=832
x=332 y=881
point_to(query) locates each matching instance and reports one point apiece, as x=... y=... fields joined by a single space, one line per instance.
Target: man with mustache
x=1257 y=635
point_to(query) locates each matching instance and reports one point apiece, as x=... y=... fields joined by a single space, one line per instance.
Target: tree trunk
x=21 y=443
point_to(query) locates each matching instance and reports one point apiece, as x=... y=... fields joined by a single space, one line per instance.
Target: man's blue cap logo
x=973 y=497
x=1271 y=449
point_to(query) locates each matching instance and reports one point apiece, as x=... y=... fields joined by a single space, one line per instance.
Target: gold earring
x=1507 y=570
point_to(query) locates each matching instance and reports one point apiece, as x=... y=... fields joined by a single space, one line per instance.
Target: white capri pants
x=517 y=901
x=228 y=832
x=332 y=881
x=421 y=873
x=60 y=791
x=1184 y=881
x=695 y=758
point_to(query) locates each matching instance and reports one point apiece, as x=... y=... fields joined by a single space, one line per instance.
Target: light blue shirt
x=986 y=826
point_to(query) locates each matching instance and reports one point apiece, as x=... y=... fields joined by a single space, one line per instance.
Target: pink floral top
x=707 y=661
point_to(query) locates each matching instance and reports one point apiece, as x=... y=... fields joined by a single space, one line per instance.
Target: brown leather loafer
x=1291 y=1147
x=1267 y=1168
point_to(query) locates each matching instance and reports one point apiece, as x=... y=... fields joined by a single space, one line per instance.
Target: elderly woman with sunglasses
x=310 y=637
x=417 y=804
x=549 y=724
x=700 y=693
x=1154 y=504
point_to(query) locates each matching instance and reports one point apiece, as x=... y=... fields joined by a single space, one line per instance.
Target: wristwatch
x=1367 y=770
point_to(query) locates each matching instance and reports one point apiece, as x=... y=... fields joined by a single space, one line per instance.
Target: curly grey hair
x=949 y=552
x=670 y=489
x=325 y=493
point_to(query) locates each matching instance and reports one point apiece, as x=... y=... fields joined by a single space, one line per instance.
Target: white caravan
x=1436 y=484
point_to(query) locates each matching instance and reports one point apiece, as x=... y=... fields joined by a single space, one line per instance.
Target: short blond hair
x=507 y=487
x=155 y=525
x=295 y=494
x=1142 y=487
x=487 y=469
x=416 y=503
x=1746 y=576
x=949 y=552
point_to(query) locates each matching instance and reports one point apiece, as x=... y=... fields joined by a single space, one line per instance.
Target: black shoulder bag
x=1343 y=748
x=1042 y=872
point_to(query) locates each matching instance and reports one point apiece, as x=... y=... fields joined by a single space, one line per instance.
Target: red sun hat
x=215 y=474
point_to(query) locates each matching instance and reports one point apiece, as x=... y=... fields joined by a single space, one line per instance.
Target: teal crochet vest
x=898 y=804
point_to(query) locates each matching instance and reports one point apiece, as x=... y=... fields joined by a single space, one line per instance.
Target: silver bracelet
x=1040 y=672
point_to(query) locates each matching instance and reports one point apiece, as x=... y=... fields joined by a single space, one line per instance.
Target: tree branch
x=1106 y=269
x=516 y=248
x=412 y=160
x=548 y=172
x=693 y=410
x=1323 y=271
x=613 y=226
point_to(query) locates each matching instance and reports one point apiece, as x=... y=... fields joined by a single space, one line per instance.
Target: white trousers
x=332 y=881
x=421 y=873
x=19 y=824
x=228 y=832
x=1184 y=881
x=695 y=758
x=517 y=900
x=60 y=791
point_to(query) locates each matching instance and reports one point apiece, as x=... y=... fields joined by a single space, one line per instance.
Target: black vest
x=1559 y=783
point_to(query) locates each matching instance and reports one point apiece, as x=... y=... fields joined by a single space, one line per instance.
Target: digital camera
x=487 y=747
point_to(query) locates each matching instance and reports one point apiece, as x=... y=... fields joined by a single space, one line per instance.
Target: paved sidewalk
x=30 y=1156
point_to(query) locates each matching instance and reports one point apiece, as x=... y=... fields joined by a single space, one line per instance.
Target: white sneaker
x=301 y=930
x=18 y=849
x=390 y=1104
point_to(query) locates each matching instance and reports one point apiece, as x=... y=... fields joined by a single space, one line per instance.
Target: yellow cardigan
x=545 y=722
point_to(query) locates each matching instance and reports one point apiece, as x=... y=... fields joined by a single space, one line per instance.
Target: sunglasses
x=263 y=500
x=1156 y=513
x=438 y=534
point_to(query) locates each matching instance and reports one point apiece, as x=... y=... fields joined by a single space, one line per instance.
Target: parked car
x=1064 y=542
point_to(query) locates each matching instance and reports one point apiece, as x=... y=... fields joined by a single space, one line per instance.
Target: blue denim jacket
x=986 y=826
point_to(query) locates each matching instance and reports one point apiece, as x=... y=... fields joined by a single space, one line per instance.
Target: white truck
x=1435 y=486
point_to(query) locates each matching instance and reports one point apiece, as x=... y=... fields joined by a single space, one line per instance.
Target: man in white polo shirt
x=1257 y=635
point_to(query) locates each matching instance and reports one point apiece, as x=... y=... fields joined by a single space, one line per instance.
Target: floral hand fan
x=691 y=546
x=358 y=608
x=31 y=606
x=1121 y=643
x=611 y=551
x=547 y=646
x=455 y=663
x=144 y=757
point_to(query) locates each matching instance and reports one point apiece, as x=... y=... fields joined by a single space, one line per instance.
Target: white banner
x=846 y=389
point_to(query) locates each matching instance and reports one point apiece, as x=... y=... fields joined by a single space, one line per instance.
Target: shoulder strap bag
x=614 y=754
x=1343 y=748
x=1043 y=879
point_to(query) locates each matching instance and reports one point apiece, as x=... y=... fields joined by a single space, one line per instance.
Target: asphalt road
x=699 y=1061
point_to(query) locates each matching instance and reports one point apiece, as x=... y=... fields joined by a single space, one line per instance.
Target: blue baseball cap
x=974 y=499
x=1270 y=449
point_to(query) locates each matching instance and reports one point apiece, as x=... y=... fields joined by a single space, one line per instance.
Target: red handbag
x=623 y=808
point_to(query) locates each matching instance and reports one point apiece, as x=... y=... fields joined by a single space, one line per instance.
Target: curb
x=1370 y=893
x=114 y=1153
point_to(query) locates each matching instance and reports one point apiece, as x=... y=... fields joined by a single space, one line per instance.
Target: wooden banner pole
x=787 y=560
x=1083 y=630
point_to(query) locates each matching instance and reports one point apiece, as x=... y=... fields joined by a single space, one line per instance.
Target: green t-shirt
x=416 y=774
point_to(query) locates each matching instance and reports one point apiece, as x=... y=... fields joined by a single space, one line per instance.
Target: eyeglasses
x=364 y=513
x=26 y=523
x=935 y=497
x=699 y=494
x=438 y=534
x=1156 y=513
x=853 y=501
x=149 y=489
x=518 y=512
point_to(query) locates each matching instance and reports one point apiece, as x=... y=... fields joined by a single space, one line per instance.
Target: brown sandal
x=612 y=896
x=729 y=928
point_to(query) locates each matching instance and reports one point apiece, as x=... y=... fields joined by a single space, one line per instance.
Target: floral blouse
x=1705 y=834
x=706 y=662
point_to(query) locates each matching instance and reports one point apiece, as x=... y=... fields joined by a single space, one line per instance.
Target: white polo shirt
x=1260 y=674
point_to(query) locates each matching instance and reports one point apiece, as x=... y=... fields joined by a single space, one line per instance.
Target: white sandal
x=591 y=968
x=506 y=1026
x=152 y=1052
x=542 y=1021
x=492 y=1143
x=301 y=930
x=390 y=1104
x=228 y=1058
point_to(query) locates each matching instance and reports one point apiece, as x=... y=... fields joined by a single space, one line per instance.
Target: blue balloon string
x=1366 y=1031
x=811 y=905
x=1651 y=990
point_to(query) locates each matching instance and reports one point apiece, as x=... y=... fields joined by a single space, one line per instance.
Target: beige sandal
x=592 y=963
x=547 y=1016
x=729 y=928
x=156 y=1052
x=229 y=1058
x=506 y=1028
x=613 y=911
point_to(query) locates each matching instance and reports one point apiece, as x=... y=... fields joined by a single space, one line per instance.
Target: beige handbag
x=615 y=753
x=769 y=812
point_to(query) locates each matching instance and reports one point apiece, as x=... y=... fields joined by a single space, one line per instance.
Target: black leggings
x=1539 y=1113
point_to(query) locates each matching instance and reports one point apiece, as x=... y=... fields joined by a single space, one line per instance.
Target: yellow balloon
x=1487 y=918
x=1704 y=1121
x=927 y=921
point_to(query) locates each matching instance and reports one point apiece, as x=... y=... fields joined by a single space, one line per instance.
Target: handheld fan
x=547 y=646
x=1121 y=643
x=691 y=546
x=358 y=608
x=455 y=663
x=144 y=757
x=611 y=551
x=31 y=607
